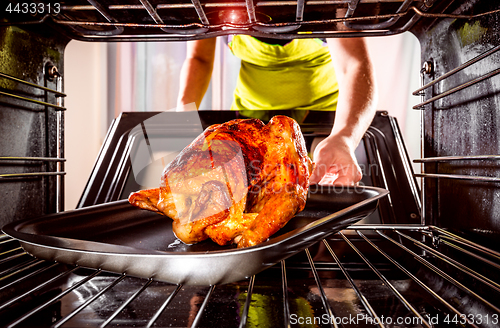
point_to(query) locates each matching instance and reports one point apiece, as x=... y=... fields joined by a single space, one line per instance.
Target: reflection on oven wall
x=105 y=79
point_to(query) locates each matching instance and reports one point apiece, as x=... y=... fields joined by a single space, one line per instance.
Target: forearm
x=358 y=92
x=356 y=107
x=196 y=72
x=334 y=156
x=194 y=81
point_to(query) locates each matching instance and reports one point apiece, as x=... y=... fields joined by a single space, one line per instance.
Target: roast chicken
x=237 y=182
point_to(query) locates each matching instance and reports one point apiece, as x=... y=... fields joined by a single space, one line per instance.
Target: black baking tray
x=120 y=238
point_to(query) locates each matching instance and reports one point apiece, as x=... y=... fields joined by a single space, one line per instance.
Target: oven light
x=235 y=17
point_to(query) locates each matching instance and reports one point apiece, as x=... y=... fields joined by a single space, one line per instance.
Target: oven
x=427 y=257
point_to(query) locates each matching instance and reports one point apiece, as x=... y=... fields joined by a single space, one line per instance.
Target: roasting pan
x=120 y=238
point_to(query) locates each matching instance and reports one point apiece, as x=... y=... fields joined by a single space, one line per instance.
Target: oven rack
x=282 y=19
x=428 y=69
x=420 y=91
x=57 y=93
x=444 y=159
x=408 y=265
x=23 y=97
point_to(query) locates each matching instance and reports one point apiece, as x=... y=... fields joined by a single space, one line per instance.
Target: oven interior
x=428 y=257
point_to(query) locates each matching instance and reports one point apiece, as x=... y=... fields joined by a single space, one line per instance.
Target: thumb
x=319 y=171
x=314 y=178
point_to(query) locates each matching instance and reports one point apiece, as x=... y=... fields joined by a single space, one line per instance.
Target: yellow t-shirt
x=296 y=76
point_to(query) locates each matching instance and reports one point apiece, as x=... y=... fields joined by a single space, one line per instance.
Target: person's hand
x=335 y=163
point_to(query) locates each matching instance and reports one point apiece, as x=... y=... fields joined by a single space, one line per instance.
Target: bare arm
x=196 y=71
x=356 y=107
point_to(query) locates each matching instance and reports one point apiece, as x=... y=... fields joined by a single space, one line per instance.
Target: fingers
x=341 y=181
x=335 y=163
x=328 y=179
x=321 y=169
x=315 y=178
x=341 y=175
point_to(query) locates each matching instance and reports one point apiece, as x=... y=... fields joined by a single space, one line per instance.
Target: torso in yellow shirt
x=296 y=76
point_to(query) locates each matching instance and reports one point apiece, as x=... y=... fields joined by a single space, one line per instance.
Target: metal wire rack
x=428 y=67
x=367 y=275
x=283 y=19
x=24 y=95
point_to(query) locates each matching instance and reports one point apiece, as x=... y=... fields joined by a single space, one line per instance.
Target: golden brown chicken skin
x=237 y=182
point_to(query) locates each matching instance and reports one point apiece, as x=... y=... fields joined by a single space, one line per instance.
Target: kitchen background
x=102 y=80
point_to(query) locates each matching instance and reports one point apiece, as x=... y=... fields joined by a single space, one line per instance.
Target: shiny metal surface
x=190 y=28
x=317 y=284
x=428 y=69
x=36 y=86
x=458 y=177
x=195 y=19
x=28 y=121
x=461 y=120
x=59 y=145
x=457 y=158
x=34 y=101
x=120 y=238
x=458 y=88
x=31 y=174
x=41 y=159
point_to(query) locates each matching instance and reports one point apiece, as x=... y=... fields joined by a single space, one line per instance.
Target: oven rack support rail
x=39 y=106
x=57 y=93
x=432 y=248
x=420 y=91
x=110 y=28
x=428 y=69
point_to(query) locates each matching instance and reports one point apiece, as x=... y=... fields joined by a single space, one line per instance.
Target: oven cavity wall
x=31 y=121
x=461 y=112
